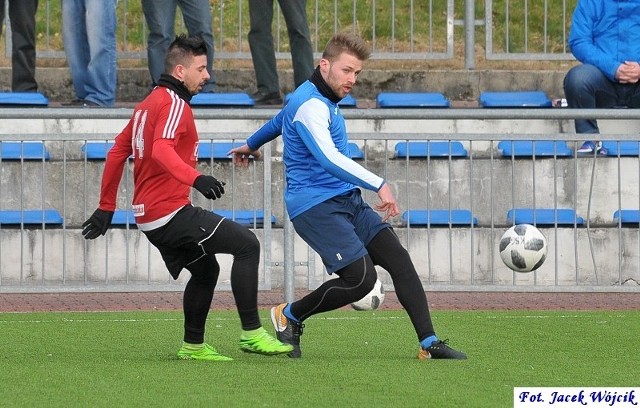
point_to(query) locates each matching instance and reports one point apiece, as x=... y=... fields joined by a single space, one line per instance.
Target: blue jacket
x=316 y=152
x=606 y=33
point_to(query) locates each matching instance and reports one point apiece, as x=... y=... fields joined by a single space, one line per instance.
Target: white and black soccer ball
x=372 y=300
x=523 y=248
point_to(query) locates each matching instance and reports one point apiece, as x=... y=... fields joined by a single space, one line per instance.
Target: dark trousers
x=586 y=87
x=262 y=46
x=22 y=15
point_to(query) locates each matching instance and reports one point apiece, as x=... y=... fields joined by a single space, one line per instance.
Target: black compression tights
x=234 y=239
x=386 y=250
x=354 y=281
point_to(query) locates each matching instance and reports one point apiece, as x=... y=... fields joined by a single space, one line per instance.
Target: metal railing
x=413 y=30
x=601 y=254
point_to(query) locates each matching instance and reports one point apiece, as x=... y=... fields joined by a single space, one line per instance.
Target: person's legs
x=198 y=294
x=160 y=16
x=101 y=76
x=386 y=250
x=354 y=282
x=261 y=46
x=76 y=48
x=197 y=18
x=23 y=55
x=586 y=87
x=295 y=16
x=232 y=238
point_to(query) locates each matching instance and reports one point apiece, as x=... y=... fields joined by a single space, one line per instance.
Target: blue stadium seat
x=123 y=217
x=622 y=148
x=96 y=149
x=208 y=149
x=459 y=217
x=436 y=148
x=544 y=216
x=627 y=216
x=245 y=217
x=411 y=100
x=23 y=99
x=222 y=100
x=355 y=151
x=47 y=216
x=28 y=150
x=346 y=102
x=515 y=99
x=527 y=148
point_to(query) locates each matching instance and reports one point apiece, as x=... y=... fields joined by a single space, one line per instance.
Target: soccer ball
x=372 y=300
x=523 y=248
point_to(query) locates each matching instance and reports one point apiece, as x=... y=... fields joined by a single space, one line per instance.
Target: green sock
x=247 y=334
x=192 y=347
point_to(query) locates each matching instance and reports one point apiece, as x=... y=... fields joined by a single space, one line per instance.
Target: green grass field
x=350 y=359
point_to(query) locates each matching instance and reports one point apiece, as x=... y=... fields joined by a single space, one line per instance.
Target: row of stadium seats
x=415 y=218
x=97 y=150
x=52 y=217
x=488 y=99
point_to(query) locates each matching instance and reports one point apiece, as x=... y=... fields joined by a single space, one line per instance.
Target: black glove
x=97 y=224
x=209 y=186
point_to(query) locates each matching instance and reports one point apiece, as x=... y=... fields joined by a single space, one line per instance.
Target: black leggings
x=230 y=238
x=357 y=279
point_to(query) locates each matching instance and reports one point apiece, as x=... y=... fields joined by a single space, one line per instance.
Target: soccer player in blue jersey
x=326 y=208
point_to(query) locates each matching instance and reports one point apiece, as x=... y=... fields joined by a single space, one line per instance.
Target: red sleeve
x=113 y=168
x=164 y=153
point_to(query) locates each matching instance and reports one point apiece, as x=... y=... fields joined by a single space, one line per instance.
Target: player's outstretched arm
x=241 y=155
x=97 y=224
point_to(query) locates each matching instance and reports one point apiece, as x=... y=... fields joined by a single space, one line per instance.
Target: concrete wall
x=457 y=85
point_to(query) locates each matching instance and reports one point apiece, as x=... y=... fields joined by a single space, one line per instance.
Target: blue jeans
x=160 y=16
x=89 y=35
x=585 y=86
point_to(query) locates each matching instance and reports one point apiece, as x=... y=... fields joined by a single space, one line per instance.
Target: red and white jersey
x=163 y=139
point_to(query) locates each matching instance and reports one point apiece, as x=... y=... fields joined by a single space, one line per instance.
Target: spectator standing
x=89 y=36
x=263 y=52
x=160 y=16
x=163 y=140
x=22 y=17
x=605 y=38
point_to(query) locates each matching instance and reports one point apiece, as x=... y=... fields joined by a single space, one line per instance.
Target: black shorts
x=179 y=241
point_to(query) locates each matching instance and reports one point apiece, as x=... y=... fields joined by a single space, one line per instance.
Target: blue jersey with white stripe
x=316 y=153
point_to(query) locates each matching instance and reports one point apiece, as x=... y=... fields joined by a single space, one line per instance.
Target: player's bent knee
x=361 y=276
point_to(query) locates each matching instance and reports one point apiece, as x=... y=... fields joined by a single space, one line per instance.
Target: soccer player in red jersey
x=163 y=140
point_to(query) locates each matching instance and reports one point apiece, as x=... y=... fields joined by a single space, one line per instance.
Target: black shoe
x=272 y=98
x=440 y=350
x=287 y=331
x=90 y=104
x=76 y=102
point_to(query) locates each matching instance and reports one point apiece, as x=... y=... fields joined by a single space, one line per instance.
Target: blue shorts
x=339 y=229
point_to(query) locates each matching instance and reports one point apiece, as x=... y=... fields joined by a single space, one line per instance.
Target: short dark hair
x=181 y=49
x=346 y=42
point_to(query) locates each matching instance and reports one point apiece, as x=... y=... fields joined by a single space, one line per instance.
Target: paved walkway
x=107 y=301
